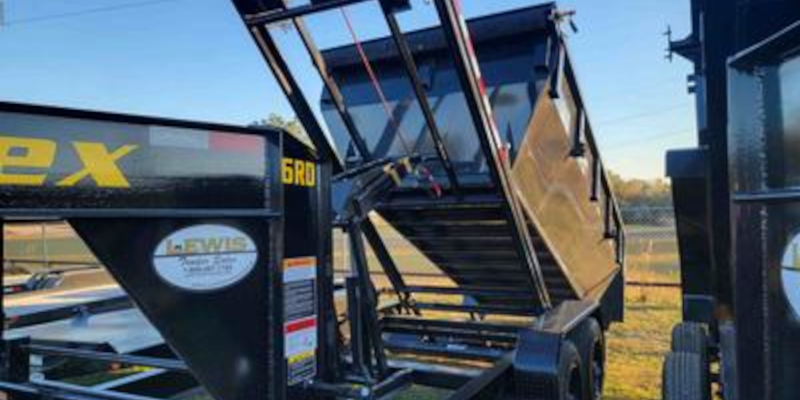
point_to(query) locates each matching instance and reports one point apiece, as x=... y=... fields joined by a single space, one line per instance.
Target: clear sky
x=193 y=59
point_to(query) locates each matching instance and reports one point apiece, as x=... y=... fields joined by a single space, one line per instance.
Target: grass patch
x=423 y=393
x=636 y=348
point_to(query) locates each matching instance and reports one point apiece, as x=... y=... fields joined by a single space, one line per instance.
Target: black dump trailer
x=736 y=207
x=469 y=139
x=472 y=141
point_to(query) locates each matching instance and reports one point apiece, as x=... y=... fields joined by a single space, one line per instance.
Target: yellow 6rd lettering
x=98 y=161
x=299 y=172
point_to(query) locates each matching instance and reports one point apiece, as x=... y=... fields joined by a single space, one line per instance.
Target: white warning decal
x=300 y=313
x=205 y=257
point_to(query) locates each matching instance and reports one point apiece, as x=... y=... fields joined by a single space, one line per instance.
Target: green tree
x=293 y=126
x=640 y=192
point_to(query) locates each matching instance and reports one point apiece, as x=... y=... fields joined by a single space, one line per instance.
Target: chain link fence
x=43 y=247
x=652 y=246
x=652 y=251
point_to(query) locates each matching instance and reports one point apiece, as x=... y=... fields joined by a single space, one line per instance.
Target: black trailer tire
x=690 y=337
x=588 y=338
x=684 y=377
x=570 y=377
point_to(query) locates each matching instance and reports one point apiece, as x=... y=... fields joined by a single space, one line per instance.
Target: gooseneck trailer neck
x=143 y=193
x=469 y=138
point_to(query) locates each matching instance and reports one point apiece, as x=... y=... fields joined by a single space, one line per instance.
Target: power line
x=80 y=13
x=616 y=147
x=650 y=113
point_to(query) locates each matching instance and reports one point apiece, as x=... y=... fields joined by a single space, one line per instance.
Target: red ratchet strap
x=374 y=79
x=421 y=171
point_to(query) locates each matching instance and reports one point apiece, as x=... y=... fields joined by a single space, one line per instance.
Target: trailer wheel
x=569 y=371
x=588 y=338
x=684 y=377
x=690 y=337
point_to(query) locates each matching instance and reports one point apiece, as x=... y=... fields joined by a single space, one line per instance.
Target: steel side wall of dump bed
x=555 y=190
x=519 y=53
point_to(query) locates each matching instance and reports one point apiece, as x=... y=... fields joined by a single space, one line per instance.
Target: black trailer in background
x=734 y=200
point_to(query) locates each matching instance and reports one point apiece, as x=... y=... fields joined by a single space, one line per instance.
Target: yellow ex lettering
x=31 y=154
x=100 y=165
x=25 y=153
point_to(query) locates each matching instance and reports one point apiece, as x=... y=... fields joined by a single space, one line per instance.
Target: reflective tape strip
x=389 y=170
x=475 y=66
x=302 y=356
x=235 y=142
x=161 y=136
x=300 y=325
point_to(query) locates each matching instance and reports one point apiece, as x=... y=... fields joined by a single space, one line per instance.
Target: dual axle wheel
x=575 y=372
x=686 y=367
x=582 y=363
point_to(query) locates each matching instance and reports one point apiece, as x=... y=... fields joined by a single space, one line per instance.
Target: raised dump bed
x=469 y=138
x=553 y=169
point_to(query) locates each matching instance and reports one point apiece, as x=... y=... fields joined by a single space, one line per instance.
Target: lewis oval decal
x=205 y=257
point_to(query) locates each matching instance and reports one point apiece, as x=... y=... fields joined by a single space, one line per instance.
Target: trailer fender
x=536 y=361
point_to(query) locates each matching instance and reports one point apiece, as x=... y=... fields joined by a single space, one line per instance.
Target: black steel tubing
x=96 y=307
x=488 y=309
x=477 y=326
x=595 y=189
x=162 y=363
x=477 y=337
x=578 y=146
x=30 y=392
x=141 y=213
x=369 y=299
x=608 y=216
x=333 y=90
x=385 y=259
x=451 y=25
x=445 y=350
x=273 y=16
x=357 y=348
x=294 y=94
x=422 y=98
x=461 y=290
x=478 y=387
